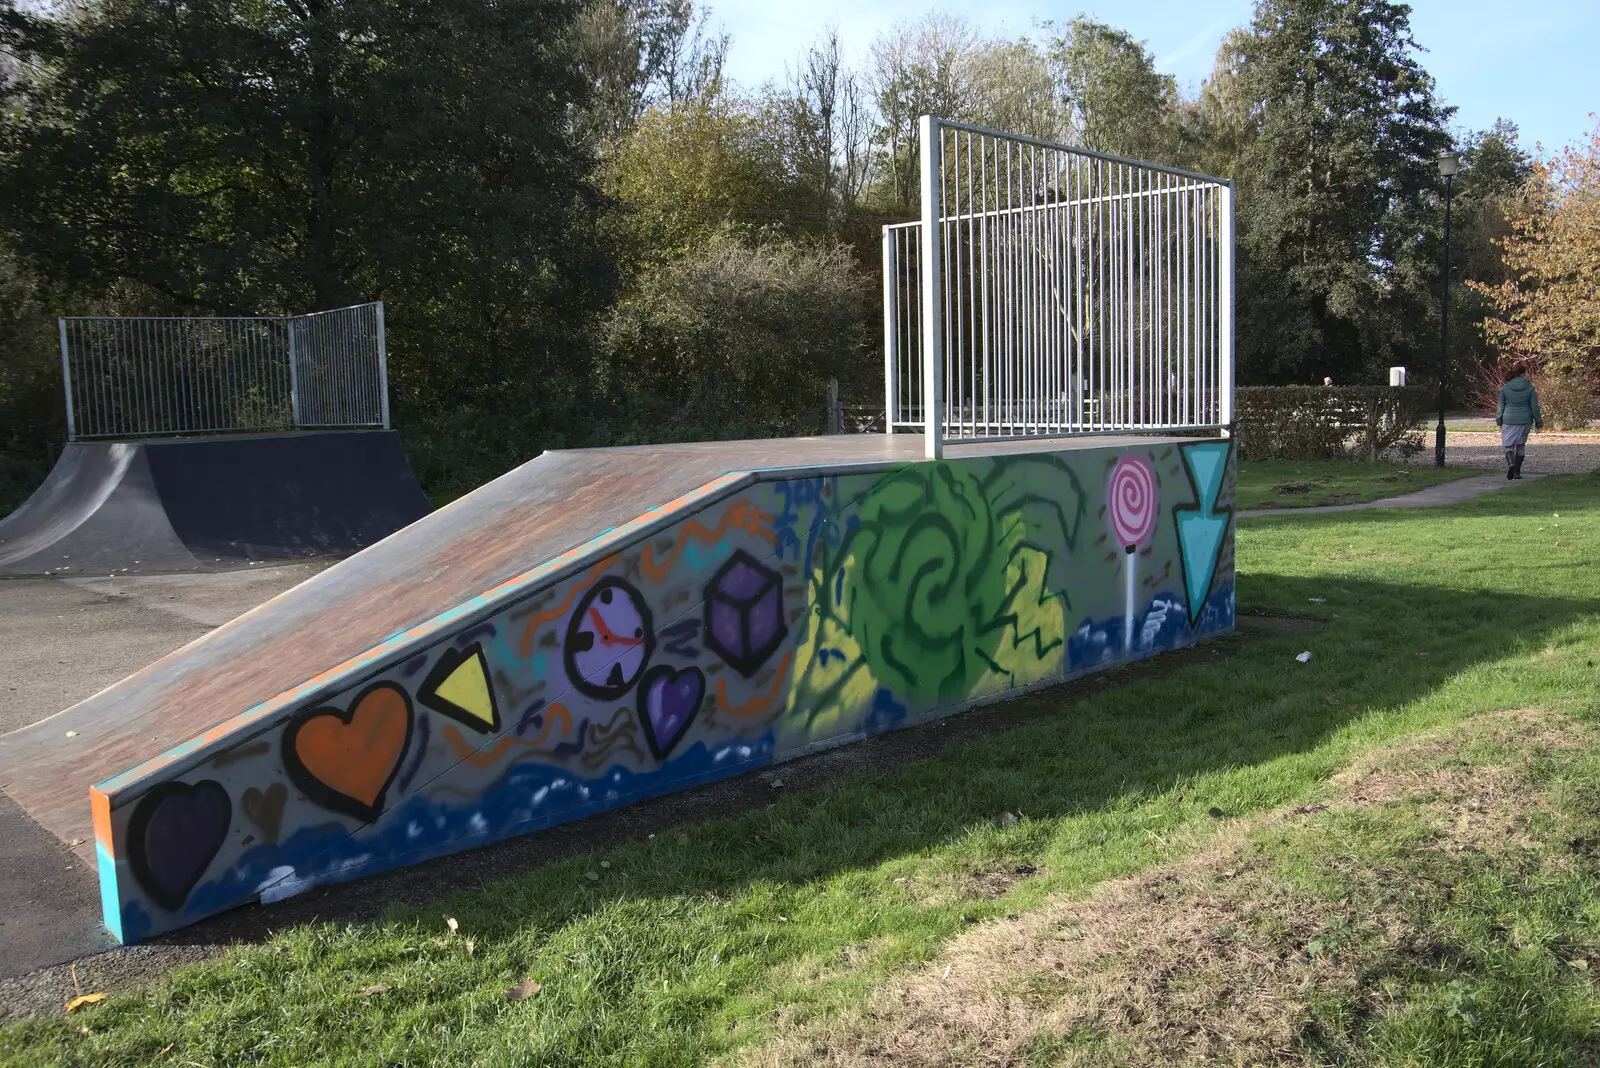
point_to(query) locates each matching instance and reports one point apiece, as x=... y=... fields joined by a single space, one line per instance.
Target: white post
x=294 y=375
x=891 y=354
x=383 y=370
x=932 y=288
x=1225 y=311
x=66 y=378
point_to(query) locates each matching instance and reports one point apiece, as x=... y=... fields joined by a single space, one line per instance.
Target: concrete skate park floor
x=65 y=639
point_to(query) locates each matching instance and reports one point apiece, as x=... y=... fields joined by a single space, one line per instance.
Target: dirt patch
x=1212 y=960
x=992 y=885
x=1294 y=488
x=1482 y=806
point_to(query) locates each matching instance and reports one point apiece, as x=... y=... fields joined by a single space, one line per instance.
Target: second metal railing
x=142 y=376
x=1048 y=290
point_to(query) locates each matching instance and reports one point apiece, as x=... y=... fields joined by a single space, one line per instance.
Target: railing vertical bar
x=151 y=419
x=889 y=355
x=932 y=325
x=1225 y=308
x=66 y=380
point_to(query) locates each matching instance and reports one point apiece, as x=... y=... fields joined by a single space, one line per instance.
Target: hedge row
x=1328 y=422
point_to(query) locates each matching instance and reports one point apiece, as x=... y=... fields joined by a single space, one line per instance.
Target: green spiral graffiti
x=942 y=587
x=927 y=588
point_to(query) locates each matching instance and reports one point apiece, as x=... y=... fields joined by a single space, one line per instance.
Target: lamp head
x=1449 y=164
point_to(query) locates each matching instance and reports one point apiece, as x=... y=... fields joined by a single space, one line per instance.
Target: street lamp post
x=1449 y=164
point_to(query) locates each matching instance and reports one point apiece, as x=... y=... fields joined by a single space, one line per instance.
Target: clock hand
x=597 y=621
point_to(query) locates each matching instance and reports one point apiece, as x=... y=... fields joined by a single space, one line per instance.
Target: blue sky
x=1536 y=62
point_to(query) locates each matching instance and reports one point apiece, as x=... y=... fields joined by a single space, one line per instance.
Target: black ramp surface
x=98 y=510
x=275 y=496
x=182 y=504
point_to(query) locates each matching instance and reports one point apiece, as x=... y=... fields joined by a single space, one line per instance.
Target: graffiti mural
x=773 y=619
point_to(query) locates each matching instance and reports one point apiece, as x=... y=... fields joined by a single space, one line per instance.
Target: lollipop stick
x=1127 y=626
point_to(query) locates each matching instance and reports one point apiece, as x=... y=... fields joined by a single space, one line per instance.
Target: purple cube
x=744 y=613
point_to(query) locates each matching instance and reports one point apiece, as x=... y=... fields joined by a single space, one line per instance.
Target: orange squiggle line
x=741 y=514
x=525 y=648
x=483 y=759
x=760 y=702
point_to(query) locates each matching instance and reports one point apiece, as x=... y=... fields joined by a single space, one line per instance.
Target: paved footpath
x=1462 y=489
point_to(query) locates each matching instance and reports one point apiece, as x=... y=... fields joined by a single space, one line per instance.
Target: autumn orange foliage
x=1549 y=310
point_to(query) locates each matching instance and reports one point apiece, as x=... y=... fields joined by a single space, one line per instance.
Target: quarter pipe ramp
x=188 y=503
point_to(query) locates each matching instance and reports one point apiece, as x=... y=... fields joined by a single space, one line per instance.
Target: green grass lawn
x=711 y=942
x=1308 y=483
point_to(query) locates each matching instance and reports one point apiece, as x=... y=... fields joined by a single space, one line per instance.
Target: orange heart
x=346 y=760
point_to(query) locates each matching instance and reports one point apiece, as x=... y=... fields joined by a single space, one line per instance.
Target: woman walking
x=1517 y=412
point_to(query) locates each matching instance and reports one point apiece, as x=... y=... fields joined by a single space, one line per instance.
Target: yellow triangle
x=467 y=687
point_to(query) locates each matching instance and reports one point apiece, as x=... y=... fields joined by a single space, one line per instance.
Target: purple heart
x=175 y=832
x=668 y=700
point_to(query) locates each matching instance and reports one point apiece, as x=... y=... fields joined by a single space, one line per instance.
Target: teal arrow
x=1207 y=464
x=1200 y=540
x=1201 y=527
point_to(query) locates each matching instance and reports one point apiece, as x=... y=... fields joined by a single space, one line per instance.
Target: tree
x=1219 y=124
x=1549 y=307
x=918 y=68
x=1493 y=172
x=1338 y=226
x=1115 y=99
x=283 y=155
x=826 y=127
x=686 y=173
x=1013 y=90
x=634 y=55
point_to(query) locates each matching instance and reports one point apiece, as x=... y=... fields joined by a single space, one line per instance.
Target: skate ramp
x=601 y=626
x=188 y=503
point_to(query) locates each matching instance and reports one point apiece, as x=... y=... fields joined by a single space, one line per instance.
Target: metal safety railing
x=1048 y=290
x=142 y=376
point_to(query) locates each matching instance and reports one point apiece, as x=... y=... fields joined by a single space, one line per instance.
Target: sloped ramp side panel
x=769 y=617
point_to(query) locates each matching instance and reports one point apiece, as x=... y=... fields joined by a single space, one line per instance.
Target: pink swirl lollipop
x=1131 y=497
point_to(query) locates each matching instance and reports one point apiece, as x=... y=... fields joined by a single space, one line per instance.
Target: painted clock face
x=609 y=640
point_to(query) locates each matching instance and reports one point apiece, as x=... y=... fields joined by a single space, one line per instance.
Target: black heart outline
x=661 y=748
x=139 y=826
x=319 y=791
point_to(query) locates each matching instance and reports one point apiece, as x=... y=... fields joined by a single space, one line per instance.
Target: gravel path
x=1548 y=452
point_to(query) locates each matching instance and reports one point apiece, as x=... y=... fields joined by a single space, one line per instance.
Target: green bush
x=1328 y=422
x=737 y=339
x=1566 y=400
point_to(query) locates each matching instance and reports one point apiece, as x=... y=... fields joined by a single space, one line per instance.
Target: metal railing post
x=932 y=289
x=66 y=379
x=383 y=370
x=891 y=354
x=294 y=374
x=1225 y=313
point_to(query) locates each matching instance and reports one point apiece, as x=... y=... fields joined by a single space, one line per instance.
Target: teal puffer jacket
x=1519 y=404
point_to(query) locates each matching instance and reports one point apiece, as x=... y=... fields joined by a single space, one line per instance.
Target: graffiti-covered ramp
x=600 y=626
x=526 y=518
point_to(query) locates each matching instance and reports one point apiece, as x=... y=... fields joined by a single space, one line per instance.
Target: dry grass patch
x=1217 y=959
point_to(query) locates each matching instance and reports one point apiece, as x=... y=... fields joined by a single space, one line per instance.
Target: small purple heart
x=174 y=834
x=668 y=700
